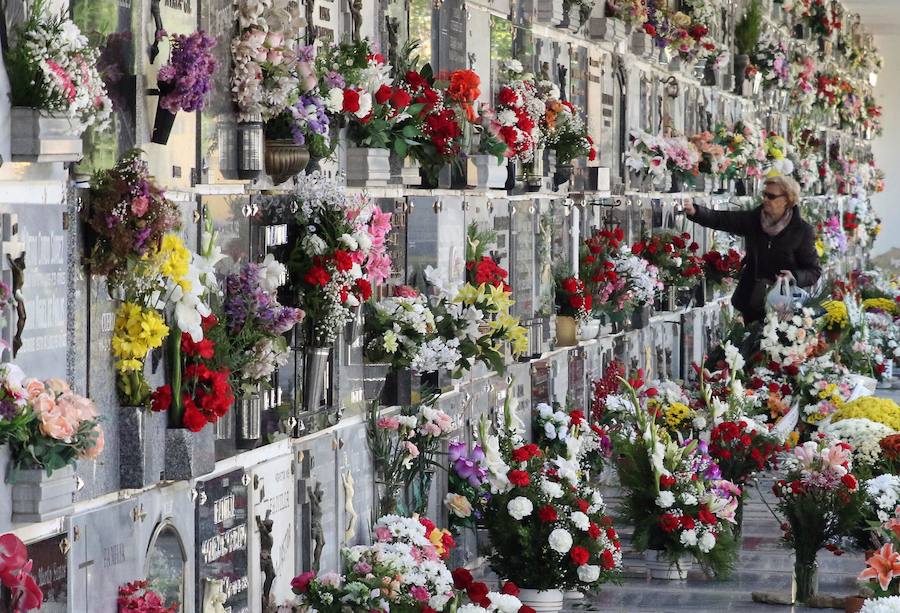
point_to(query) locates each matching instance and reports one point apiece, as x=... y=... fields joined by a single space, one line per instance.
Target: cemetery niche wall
x=231 y=328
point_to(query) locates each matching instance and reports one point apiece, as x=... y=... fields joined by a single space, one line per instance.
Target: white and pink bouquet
x=52 y=68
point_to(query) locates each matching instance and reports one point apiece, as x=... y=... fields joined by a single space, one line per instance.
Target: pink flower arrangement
x=135 y=597
x=15 y=575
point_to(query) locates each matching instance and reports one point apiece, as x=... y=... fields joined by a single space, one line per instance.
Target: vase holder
x=353 y=328
x=368 y=167
x=574 y=17
x=374 y=379
x=162 y=125
x=250 y=144
x=404 y=171
x=37 y=497
x=142 y=447
x=515 y=184
x=248 y=421
x=542 y=601
x=804 y=582
x=315 y=366
x=38 y=136
x=224 y=426
x=407 y=388
x=562 y=175
x=640 y=318
x=485 y=172
x=659 y=567
x=550 y=11
x=607 y=29
x=641 y=44
x=284 y=159
x=451 y=177
x=189 y=454
x=566 y=331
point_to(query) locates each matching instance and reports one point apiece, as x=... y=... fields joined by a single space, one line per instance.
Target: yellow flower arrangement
x=880 y=304
x=835 y=317
x=882 y=410
x=820 y=247
x=829 y=394
x=137 y=331
x=676 y=413
x=175 y=260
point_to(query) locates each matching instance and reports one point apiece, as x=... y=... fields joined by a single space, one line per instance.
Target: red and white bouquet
x=673 y=256
x=519 y=114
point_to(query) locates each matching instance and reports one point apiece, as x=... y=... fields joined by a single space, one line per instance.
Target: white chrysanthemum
x=519 y=508
x=588 y=573
x=560 y=540
x=665 y=500
x=707 y=542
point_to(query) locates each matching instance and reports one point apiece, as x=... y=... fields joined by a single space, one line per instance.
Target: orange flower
x=884 y=565
x=890 y=445
x=464 y=86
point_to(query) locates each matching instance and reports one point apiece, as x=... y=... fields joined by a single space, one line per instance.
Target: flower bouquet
x=396 y=328
x=572 y=300
x=673 y=256
x=647 y=157
x=675 y=497
x=519 y=114
x=565 y=133
x=403 y=570
x=629 y=11
x=55 y=87
x=137 y=596
x=778 y=156
x=184 y=82
x=467 y=485
x=598 y=269
x=15 y=576
x=742 y=147
x=771 y=59
x=713 y=160
x=720 y=269
x=641 y=283
x=820 y=502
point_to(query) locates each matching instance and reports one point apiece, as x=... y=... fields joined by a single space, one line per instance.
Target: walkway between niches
x=764 y=565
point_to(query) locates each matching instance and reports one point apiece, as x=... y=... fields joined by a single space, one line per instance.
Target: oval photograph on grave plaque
x=165 y=566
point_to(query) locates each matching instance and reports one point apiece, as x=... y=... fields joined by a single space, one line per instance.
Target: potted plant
x=56 y=91
x=51 y=428
x=746 y=36
x=15 y=576
x=680 y=509
x=184 y=82
x=819 y=501
x=256 y=325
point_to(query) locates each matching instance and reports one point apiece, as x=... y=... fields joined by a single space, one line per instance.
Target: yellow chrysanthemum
x=676 y=413
x=835 y=317
x=175 y=258
x=137 y=331
x=738 y=139
x=880 y=304
x=882 y=410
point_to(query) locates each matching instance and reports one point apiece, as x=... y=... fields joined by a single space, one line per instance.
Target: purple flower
x=334 y=79
x=306 y=53
x=8 y=409
x=185 y=81
x=456 y=450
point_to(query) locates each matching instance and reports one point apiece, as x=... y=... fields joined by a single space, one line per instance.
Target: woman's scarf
x=773 y=227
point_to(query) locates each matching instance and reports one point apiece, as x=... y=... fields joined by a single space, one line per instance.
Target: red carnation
x=582 y=505
x=547 y=514
x=507 y=96
x=526 y=609
x=161 y=398
x=850 y=481
x=668 y=522
x=706 y=517
x=649 y=29
x=579 y=555
x=351 y=101
x=594 y=531
x=607 y=561
x=383 y=94
x=193 y=419
x=510 y=588
x=317 y=275
x=477 y=592
x=666 y=481
x=462 y=578
x=519 y=477
x=400 y=99
x=343 y=260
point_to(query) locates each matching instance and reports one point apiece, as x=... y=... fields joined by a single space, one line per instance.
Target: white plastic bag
x=780 y=298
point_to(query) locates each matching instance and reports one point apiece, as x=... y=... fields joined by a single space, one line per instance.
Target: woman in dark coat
x=778 y=242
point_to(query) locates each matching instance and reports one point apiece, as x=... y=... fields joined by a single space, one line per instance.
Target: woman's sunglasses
x=771 y=196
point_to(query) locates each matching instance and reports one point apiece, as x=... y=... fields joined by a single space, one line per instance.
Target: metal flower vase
x=189 y=454
x=284 y=159
x=248 y=421
x=374 y=378
x=315 y=367
x=142 y=446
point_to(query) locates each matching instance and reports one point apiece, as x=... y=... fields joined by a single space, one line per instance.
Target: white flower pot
x=39 y=136
x=485 y=171
x=588 y=330
x=368 y=167
x=543 y=601
x=661 y=568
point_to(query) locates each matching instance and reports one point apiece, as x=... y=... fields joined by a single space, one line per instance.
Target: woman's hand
x=787 y=274
x=689 y=209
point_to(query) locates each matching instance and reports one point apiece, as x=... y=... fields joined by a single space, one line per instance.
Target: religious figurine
x=562 y=71
x=545 y=71
x=317 y=534
x=18 y=282
x=349 y=492
x=213 y=596
x=392 y=25
x=159 y=32
x=356 y=7
x=266 y=542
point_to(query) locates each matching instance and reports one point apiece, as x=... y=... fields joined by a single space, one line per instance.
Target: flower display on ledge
x=721 y=268
x=53 y=68
x=572 y=300
x=673 y=256
x=185 y=82
x=519 y=114
x=137 y=596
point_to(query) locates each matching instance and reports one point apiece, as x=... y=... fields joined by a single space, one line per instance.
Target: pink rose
x=58 y=386
x=274 y=40
x=140 y=205
x=388 y=423
x=83 y=408
x=383 y=534
x=99 y=443
x=55 y=422
x=34 y=388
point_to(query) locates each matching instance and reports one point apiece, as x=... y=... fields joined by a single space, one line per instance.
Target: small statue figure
x=545 y=71
x=356 y=16
x=213 y=596
x=392 y=25
x=310 y=28
x=562 y=71
x=160 y=30
x=349 y=492
x=18 y=282
x=266 y=542
x=316 y=532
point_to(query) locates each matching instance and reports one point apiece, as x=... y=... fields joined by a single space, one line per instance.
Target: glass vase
x=806 y=580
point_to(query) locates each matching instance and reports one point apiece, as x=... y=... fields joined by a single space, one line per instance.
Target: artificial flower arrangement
x=641 y=280
x=405 y=447
x=772 y=59
x=823 y=17
x=466 y=479
x=399 y=330
x=721 y=268
x=778 y=155
x=629 y=11
x=573 y=300
x=138 y=597
x=880 y=410
x=46 y=424
x=481 y=599
x=338 y=252
x=403 y=570
x=742 y=143
x=256 y=323
x=568 y=435
x=548 y=529
x=803 y=75
x=519 y=114
x=184 y=83
x=675 y=496
x=598 y=270
x=565 y=133
x=15 y=575
x=654 y=155
x=674 y=257
x=53 y=68
x=713 y=160
x=864 y=437
x=683 y=33
x=820 y=502
x=268 y=74
x=132 y=227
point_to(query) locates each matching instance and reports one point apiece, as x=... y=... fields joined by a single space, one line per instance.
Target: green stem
x=176 y=411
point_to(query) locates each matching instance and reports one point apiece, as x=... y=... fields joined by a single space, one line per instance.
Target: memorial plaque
x=451 y=32
x=271 y=549
x=222 y=539
x=174 y=163
x=522 y=261
x=110 y=26
x=317 y=491
x=50 y=570
x=106 y=554
x=576 y=397
x=436 y=233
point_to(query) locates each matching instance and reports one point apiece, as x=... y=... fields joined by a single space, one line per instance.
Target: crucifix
x=13 y=275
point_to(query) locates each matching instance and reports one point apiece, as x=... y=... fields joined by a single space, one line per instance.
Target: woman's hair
x=789 y=185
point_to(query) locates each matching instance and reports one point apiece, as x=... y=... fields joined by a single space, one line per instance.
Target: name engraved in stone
x=221 y=545
x=113 y=555
x=235 y=586
x=107 y=322
x=324 y=13
x=282 y=475
x=223 y=509
x=276 y=235
x=179 y=5
x=46 y=575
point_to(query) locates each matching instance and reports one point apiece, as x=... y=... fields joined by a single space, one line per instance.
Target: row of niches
x=604 y=106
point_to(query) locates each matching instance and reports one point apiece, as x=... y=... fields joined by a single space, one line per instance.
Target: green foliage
x=478 y=241
x=749 y=28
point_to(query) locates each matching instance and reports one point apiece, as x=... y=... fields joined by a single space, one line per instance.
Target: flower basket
x=484 y=171
x=284 y=159
x=566 y=331
x=368 y=167
x=248 y=421
x=543 y=601
x=189 y=454
x=38 y=136
x=316 y=364
x=142 y=446
x=662 y=568
x=38 y=497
